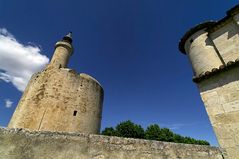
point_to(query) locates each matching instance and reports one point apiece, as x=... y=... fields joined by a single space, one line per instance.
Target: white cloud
x=177 y=126
x=18 y=61
x=8 y=103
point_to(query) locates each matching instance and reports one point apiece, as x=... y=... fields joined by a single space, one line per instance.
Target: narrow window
x=75 y=112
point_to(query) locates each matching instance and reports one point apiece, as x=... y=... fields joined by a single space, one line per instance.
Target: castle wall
x=20 y=144
x=60 y=100
x=226 y=40
x=218 y=84
x=220 y=95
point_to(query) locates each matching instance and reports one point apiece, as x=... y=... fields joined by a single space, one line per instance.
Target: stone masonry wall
x=226 y=40
x=22 y=144
x=59 y=99
x=220 y=95
x=213 y=50
x=199 y=49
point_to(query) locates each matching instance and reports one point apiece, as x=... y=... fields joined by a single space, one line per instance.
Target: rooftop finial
x=68 y=37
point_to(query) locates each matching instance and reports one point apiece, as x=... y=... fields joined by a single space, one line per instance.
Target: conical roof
x=68 y=37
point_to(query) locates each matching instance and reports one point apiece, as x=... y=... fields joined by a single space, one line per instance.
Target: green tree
x=109 y=131
x=153 y=132
x=129 y=129
x=178 y=138
x=202 y=142
x=166 y=135
x=189 y=140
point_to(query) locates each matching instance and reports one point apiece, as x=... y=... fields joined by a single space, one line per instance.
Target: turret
x=213 y=50
x=63 y=51
x=200 y=49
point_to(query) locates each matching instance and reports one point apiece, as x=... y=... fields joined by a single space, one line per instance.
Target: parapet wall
x=22 y=144
x=220 y=94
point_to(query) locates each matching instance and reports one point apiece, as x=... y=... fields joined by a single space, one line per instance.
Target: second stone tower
x=59 y=99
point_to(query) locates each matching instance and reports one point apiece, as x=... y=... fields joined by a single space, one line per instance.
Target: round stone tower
x=63 y=51
x=212 y=48
x=59 y=99
x=198 y=46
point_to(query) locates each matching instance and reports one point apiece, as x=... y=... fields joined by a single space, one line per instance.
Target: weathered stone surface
x=226 y=40
x=200 y=48
x=219 y=89
x=220 y=95
x=53 y=96
x=59 y=99
x=22 y=144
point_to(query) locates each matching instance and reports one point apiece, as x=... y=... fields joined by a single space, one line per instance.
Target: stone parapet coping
x=101 y=139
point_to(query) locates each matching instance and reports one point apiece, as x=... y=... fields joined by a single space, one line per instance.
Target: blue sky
x=129 y=46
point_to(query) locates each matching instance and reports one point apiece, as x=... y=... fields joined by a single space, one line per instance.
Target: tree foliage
x=129 y=129
x=153 y=132
x=109 y=132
